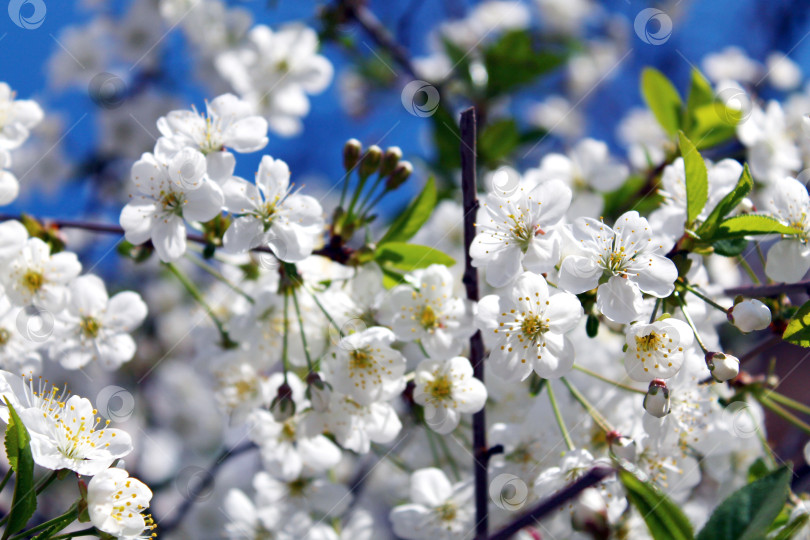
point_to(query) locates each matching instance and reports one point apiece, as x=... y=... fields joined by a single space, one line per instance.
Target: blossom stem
x=748 y=269
x=6 y=478
x=449 y=457
x=92 y=531
x=558 y=416
x=784 y=400
x=703 y=297
x=655 y=309
x=609 y=381
x=198 y=296
x=761 y=258
x=690 y=322
x=47 y=482
x=553 y=503
x=64 y=520
x=323 y=310
x=783 y=413
x=303 y=334
x=596 y=415
x=285 y=339
x=218 y=276
x=469 y=191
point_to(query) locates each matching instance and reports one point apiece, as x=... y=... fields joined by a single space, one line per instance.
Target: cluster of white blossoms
x=19 y=116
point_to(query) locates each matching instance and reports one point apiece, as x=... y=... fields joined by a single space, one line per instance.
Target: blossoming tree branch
x=561 y=348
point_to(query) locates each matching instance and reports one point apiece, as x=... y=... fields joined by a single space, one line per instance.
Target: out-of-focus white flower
x=115 y=502
x=556 y=115
x=789 y=259
x=731 y=63
x=783 y=73
x=750 y=315
x=528 y=327
x=772 y=151
x=644 y=137
x=438 y=509
x=35 y=277
x=19 y=117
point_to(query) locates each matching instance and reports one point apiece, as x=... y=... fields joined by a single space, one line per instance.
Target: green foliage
x=697 y=179
x=18 y=451
x=662 y=98
x=498 y=140
x=751 y=225
x=415 y=215
x=446 y=137
x=513 y=60
x=747 y=514
x=664 y=518
x=410 y=256
x=744 y=186
x=798 y=329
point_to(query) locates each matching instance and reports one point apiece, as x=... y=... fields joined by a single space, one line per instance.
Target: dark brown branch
x=469 y=191
x=770 y=290
x=592 y=477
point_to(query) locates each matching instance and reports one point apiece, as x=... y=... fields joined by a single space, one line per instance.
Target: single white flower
x=115 y=502
x=627 y=256
x=789 y=259
x=589 y=164
x=171 y=190
x=772 y=150
x=97 y=327
x=365 y=367
x=446 y=389
x=656 y=350
x=723 y=367
x=17 y=117
x=438 y=509
x=518 y=230
x=431 y=313
x=269 y=213
x=9 y=186
x=229 y=123
x=35 y=277
x=750 y=315
x=527 y=326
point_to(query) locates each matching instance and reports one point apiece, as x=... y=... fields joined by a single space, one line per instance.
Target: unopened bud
x=590 y=514
x=656 y=402
x=723 y=366
x=371 y=161
x=283 y=405
x=401 y=173
x=390 y=160
x=318 y=392
x=750 y=315
x=624 y=448
x=351 y=154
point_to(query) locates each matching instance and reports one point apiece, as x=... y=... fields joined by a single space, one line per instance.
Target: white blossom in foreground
x=772 y=152
x=19 y=116
x=269 y=213
x=229 y=123
x=431 y=313
x=789 y=259
x=275 y=70
x=115 y=502
x=356 y=426
x=627 y=256
x=750 y=315
x=438 y=509
x=171 y=190
x=365 y=367
x=518 y=230
x=527 y=328
x=97 y=327
x=446 y=389
x=35 y=277
x=656 y=350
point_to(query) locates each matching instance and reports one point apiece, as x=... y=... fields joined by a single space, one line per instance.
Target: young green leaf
x=411 y=220
x=513 y=61
x=498 y=140
x=18 y=451
x=750 y=225
x=697 y=179
x=748 y=513
x=700 y=92
x=727 y=205
x=798 y=329
x=664 y=518
x=730 y=247
x=410 y=256
x=714 y=123
x=662 y=98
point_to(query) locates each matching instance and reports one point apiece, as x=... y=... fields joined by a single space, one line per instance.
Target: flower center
x=648 y=343
x=428 y=318
x=296 y=487
x=33 y=280
x=5 y=336
x=90 y=327
x=288 y=431
x=523 y=233
x=440 y=388
x=171 y=201
x=447 y=512
x=533 y=326
x=360 y=359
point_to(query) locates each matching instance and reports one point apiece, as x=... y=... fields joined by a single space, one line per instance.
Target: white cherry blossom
x=656 y=350
x=789 y=259
x=115 y=503
x=446 y=389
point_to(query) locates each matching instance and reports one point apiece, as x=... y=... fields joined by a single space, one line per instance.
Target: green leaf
x=752 y=224
x=460 y=59
x=758 y=469
x=730 y=247
x=411 y=220
x=513 y=61
x=727 y=205
x=664 y=518
x=700 y=93
x=662 y=98
x=498 y=140
x=798 y=329
x=714 y=123
x=697 y=179
x=748 y=512
x=18 y=451
x=410 y=256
